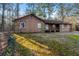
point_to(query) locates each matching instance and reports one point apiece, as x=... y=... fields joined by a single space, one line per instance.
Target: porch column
x=50 y=28
x=61 y=28
x=54 y=27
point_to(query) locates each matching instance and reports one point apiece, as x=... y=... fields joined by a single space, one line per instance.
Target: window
x=47 y=27
x=22 y=24
x=39 y=25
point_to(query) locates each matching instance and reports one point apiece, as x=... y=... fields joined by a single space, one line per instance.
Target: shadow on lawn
x=64 y=49
x=37 y=48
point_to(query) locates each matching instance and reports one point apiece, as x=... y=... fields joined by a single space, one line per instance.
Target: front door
x=53 y=28
x=57 y=27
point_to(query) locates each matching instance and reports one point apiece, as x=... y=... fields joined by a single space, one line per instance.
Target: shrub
x=14 y=47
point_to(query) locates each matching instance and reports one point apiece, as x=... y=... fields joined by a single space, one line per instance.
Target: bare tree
x=64 y=10
x=3 y=10
x=17 y=10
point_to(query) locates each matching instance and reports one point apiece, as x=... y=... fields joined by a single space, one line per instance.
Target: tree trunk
x=62 y=12
x=3 y=10
x=17 y=11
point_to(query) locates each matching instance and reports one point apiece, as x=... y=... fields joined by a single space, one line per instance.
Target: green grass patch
x=75 y=37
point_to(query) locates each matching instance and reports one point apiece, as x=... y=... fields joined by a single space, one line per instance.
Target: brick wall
x=30 y=25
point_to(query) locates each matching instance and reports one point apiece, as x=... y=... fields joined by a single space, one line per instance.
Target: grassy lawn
x=61 y=44
x=23 y=51
x=20 y=51
x=75 y=37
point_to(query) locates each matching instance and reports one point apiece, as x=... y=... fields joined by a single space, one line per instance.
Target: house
x=77 y=27
x=73 y=20
x=77 y=24
x=32 y=23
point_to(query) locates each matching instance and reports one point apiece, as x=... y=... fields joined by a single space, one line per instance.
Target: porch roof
x=55 y=22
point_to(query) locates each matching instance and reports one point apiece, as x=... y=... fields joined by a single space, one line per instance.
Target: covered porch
x=57 y=26
x=52 y=28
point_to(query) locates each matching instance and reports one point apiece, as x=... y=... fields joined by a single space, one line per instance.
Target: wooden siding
x=65 y=28
x=30 y=25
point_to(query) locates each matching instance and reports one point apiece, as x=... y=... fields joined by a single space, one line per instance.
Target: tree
x=30 y=8
x=75 y=11
x=41 y=10
x=64 y=10
x=50 y=10
x=17 y=10
x=9 y=16
x=3 y=10
x=45 y=10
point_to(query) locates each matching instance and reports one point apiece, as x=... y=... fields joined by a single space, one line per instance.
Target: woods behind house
x=58 y=11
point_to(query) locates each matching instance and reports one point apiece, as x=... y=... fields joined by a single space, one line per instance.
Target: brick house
x=32 y=23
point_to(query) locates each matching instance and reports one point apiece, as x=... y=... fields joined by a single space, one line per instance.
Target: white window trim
x=39 y=25
x=46 y=27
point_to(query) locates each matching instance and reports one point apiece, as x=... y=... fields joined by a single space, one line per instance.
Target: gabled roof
x=29 y=15
x=44 y=20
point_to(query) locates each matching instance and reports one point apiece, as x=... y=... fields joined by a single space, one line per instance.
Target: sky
x=22 y=9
